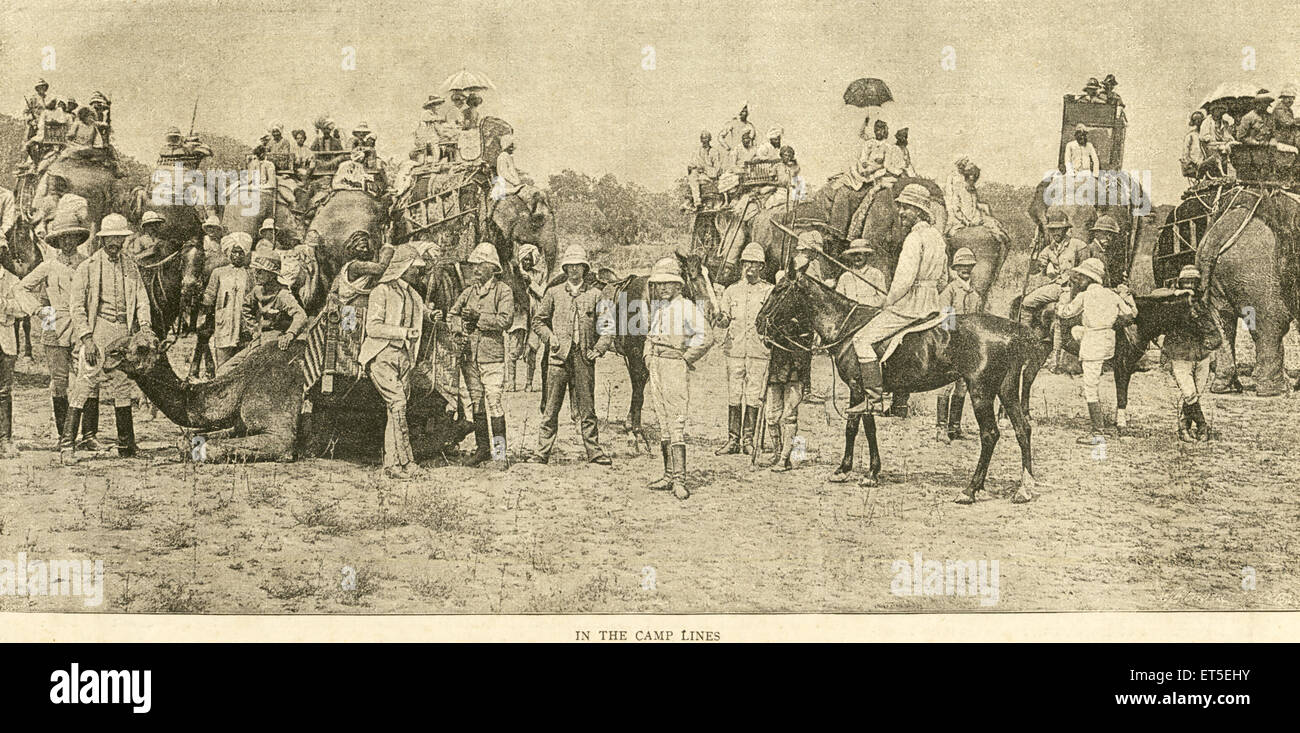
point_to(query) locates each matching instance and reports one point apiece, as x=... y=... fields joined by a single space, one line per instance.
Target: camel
x=258 y=398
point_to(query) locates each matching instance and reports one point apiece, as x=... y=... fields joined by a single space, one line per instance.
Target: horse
x=628 y=305
x=996 y=357
x=1158 y=314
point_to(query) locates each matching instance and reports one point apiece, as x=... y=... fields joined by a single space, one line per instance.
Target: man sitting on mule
x=913 y=295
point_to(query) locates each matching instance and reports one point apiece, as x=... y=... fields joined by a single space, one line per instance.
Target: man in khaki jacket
x=571 y=323
x=395 y=317
x=479 y=319
x=108 y=302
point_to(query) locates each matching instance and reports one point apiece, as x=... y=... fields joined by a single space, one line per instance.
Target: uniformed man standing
x=395 y=318
x=577 y=331
x=1100 y=307
x=108 y=302
x=1190 y=360
x=15 y=303
x=52 y=281
x=521 y=342
x=956 y=299
x=747 y=355
x=679 y=337
x=229 y=299
x=913 y=294
x=479 y=318
x=789 y=378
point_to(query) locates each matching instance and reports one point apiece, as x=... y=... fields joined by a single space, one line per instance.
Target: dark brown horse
x=629 y=309
x=996 y=357
x=1158 y=315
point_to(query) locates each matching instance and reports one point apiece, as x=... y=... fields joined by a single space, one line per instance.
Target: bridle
x=766 y=325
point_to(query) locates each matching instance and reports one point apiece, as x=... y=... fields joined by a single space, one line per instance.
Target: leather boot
x=90 y=427
x=872 y=384
x=7 y=448
x=1185 y=431
x=678 y=455
x=1202 y=430
x=499 y=438
x=125 y=432
x=482 y=441
x=747 y=430
x=955 y=407
x=60 y=413
x=1098 y=426
x=665 y=481
x=941 y=417
x=733 y=432
x=67 y=441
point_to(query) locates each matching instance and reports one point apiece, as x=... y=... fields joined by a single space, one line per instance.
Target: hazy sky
x=570 y=75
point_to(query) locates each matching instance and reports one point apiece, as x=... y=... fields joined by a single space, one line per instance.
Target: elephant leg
x=1225 y=359
x=1270 y=380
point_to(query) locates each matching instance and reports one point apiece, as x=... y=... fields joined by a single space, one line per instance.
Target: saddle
x=934 y=321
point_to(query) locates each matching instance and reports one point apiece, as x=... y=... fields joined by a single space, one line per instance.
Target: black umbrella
x=867 y=92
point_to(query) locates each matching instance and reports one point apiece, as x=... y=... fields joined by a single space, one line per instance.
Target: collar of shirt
x=571 y=290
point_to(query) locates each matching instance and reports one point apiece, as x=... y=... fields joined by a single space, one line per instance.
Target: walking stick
x=760 y=431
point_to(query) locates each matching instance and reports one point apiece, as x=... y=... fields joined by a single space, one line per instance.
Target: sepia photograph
x=740 y=310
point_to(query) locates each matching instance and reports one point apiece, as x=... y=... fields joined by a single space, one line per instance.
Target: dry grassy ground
x=1154 y=524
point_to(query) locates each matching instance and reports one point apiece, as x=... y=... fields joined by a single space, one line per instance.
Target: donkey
x=995 y=357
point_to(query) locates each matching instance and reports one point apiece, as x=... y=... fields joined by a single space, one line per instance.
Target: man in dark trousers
x=576 y=334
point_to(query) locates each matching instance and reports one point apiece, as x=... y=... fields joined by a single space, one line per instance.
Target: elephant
x=1250 y=269
x=246 y=206
x=343 y=214
x=92 y=180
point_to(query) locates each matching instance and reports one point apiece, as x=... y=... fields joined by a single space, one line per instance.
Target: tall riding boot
x=733 y=432
x=125 y=432
x=60 y=413
x=872 y=384
x=665 y=481
x=68 y=439
x=747 y=430
x=90 y=427
x=1098 y=426
x=7 y=448
x=955 y=407
x=1185 y=431
x=941 y=416
x=499 y=439
x=482 y=441
x=1202 y=428
x=678 y=451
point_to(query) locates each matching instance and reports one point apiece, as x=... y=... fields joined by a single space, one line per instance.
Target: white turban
x=774 y=132
x=236 y=239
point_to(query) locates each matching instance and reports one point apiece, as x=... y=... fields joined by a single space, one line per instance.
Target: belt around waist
x=116 y=318
x=666 y=352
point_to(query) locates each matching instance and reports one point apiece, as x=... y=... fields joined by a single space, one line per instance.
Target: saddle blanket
x=923 y=324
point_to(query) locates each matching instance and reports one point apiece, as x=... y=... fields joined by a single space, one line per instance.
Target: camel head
x=134 y=354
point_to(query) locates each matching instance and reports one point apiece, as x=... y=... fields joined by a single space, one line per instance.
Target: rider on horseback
x=913 y=294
